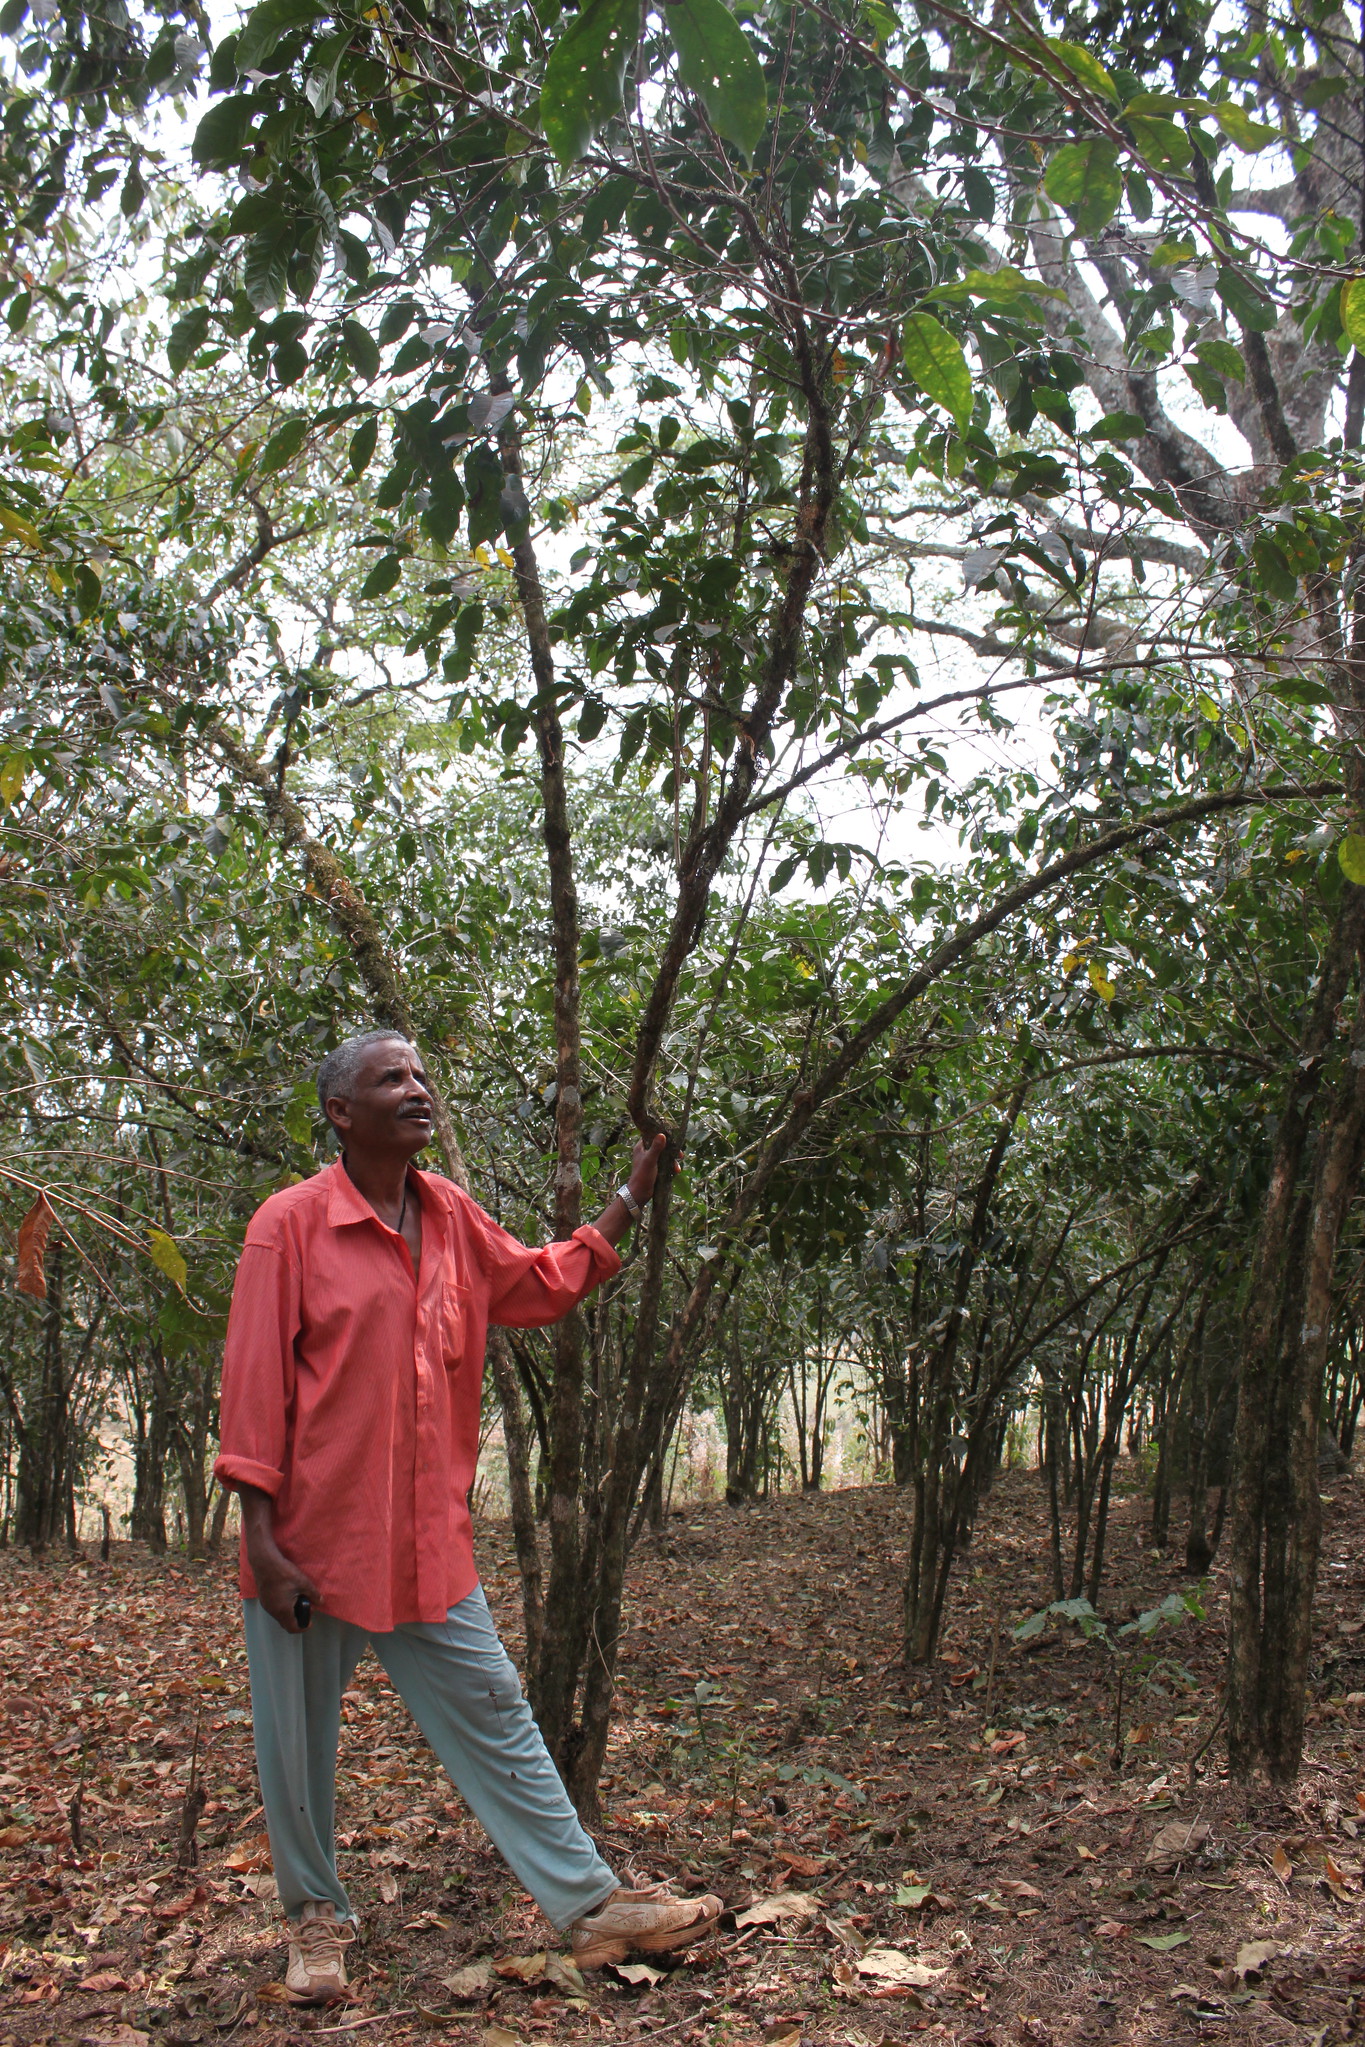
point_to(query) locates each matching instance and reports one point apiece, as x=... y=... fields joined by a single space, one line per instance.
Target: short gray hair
x=339 y=1070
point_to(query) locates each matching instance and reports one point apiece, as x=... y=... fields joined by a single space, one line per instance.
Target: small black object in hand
x=303 y=1609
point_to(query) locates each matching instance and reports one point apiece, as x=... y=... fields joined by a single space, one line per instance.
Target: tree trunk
x=1274 y=1512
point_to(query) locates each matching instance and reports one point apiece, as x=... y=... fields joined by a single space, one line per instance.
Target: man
x=350 y=1427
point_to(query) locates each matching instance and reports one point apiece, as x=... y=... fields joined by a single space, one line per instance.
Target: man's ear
x=338 y=1113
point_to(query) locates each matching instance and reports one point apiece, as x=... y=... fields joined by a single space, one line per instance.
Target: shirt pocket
x=454 y=1323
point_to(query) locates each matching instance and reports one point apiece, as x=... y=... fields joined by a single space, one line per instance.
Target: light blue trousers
x=462 y=1689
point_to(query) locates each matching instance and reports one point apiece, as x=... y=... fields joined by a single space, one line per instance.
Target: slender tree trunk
x=1274 y=1514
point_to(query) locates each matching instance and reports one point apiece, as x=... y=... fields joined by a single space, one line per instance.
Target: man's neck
x=382 y=1180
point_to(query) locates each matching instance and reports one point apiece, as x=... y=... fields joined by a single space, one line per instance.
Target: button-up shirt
x=351 y=1387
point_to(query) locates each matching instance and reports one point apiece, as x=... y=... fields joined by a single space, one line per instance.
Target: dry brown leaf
x=498 y=2036
x=1111 y=1929
x=564 y=1974
x=249 y=1856
x=472 y=1981
x=639 y=1973
x=803 y=1865
x=1085 y=1854
x=1015 y=1889
x=1176 y=1842
x=781 y=1905
x=105 y=1979
x=890 y=1965
x=845 y=1977
x=520 y=1968
x=34 y=1231
x=1253 y=1955
x=782 y=2033
x=121 y=2036
x=1333 y=1871
x=388 y=1888
x=1281 y=1864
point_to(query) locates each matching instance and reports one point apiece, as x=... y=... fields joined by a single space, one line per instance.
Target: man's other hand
x=644 y=1166
x=279 y=1582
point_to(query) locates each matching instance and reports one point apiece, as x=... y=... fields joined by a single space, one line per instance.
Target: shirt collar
x=346 y=1203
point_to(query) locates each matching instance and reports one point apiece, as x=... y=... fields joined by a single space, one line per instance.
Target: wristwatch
x=632 y=1206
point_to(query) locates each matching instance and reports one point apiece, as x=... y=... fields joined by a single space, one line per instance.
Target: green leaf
x=1277 y=578
x=1003 y=286
x=15 y=528
x=167 y=1258
x=1078 y=64
x=186 y=338
x=1084 y=178
x=1160 y=143
x=586 y=73
x=1237 y=124
x=13 y=772
x=1222 y=358
x=220 y=136
x=382 y=577
x=936 y=363
x=265 y=25
x=912 y=1896
x=265 y=270
x=1350 y=857
x=717 y=61
x=1245 y=300
x=1353 y=310
x=362 y=350
x=1118 y=426
x=363 y=444
x=283 y=445
x=1162 y=1942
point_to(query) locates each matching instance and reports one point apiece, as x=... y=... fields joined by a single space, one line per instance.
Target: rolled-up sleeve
x=528 y=1289
x=258 y=1370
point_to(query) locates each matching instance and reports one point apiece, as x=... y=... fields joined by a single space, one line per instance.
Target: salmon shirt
x=351 y=1390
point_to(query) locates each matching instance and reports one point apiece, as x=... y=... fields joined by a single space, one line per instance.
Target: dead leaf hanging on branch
x=34 y=1231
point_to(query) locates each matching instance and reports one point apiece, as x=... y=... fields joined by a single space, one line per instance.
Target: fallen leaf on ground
x=1162 y=1943
x=1014 y=1888
x=564 y=1974
x=781 y=1905
x=1176 y=1842
x=803 y=1865
x=498 y=2036
x=105 y=1979
x=1110 y=1929
x=912 y=1896
x=520 y=1968
x=782 y=2033
x=639 y=1972
x=388 y=1888
x=249 y=1857
x=1281 y=1864
x=889 y=1965
x=1085 y=1854
x=471 y=1981
x=1253 y=1955
x=121 y=2036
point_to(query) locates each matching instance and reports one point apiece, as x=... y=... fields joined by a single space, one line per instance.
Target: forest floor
x=961 y=1857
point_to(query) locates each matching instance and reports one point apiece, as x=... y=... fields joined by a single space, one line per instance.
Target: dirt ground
x=967 y=1856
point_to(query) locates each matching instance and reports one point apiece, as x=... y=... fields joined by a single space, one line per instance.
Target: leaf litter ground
x=951 y=1856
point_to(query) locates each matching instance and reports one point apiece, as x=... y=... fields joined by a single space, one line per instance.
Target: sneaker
x=648 y=1920
x=317 y=1970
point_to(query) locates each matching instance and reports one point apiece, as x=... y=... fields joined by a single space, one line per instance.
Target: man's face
x=389 y=1108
